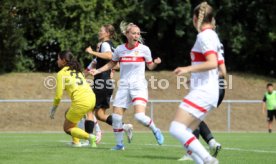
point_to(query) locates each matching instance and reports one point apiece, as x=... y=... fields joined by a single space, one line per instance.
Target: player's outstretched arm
x=104 y=68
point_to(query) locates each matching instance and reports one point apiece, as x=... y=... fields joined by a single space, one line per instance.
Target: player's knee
x=99 y=115
x=66 y=130
x=178 y=129
x=172 y=129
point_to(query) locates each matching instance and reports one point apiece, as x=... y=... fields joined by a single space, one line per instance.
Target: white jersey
x=105 y=47
x=207 y=42
x=204 y=92
x=132 y=62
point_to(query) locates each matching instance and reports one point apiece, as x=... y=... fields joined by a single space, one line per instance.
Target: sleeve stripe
x=220 y=62
x=210 y=52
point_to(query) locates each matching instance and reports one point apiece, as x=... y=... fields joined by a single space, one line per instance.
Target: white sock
x=212 y=142
x=195 y=157
x=96 y=125
x=145 y=120
x=118 y=128
x=81 y=123
x=190 y=142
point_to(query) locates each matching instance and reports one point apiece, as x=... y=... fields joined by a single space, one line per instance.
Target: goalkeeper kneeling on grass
x=71 y=79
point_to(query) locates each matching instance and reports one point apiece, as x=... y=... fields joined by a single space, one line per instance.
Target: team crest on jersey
x=136 y=53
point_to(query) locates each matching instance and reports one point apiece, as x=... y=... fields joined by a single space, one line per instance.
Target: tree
x=43 y=28
x=33 y=31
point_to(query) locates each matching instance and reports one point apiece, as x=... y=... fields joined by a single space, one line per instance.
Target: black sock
x=269 y=130
x=89 y=126
x=205 y=132
x=196 y=133
x=109 y=120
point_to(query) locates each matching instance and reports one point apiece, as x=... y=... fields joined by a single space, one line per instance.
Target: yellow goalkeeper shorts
x=78 y=109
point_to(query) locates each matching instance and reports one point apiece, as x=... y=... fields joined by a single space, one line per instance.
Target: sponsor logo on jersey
x=132 y=59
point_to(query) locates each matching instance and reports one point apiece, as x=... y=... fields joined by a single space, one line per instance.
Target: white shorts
x=125 y=96
x=199 y=103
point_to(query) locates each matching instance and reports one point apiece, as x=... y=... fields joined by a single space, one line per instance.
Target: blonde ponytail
x=123 y=27
x=204 y=14
x=201 y=15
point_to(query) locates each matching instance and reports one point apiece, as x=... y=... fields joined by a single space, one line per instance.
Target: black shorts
x=270 y=114
x=221 y=91
x=103 y=97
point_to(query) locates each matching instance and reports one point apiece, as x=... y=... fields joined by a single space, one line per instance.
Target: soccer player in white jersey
x=133 y=57
x=203 y=129
x=204 y=87
x=103 y=85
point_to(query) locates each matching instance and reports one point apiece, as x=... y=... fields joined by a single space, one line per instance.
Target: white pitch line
x=168 y=145
x=249 y=150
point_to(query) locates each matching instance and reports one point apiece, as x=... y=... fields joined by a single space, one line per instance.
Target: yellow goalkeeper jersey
x=75 y=85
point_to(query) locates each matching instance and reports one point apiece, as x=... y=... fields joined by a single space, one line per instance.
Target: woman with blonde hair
x=204 y=89
x=133 y=57
x=103 y=85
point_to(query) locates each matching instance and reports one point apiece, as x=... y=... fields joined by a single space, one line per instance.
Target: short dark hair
x=269 y=85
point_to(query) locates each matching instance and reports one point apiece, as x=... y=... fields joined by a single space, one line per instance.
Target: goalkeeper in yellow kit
x=71 y=79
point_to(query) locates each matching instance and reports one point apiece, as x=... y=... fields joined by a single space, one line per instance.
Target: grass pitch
x=44 y=148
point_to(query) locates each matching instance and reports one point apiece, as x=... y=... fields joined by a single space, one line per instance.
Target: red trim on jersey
x=210 y=52
x=194 y=105
x=136 y=45
x=210 y=28
x=189 y=141
x=149 y=62
x=131 y=59
x=220 y=62
x=139 y=98
x=198 y=57
x=118 y=130
x=149 y=123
